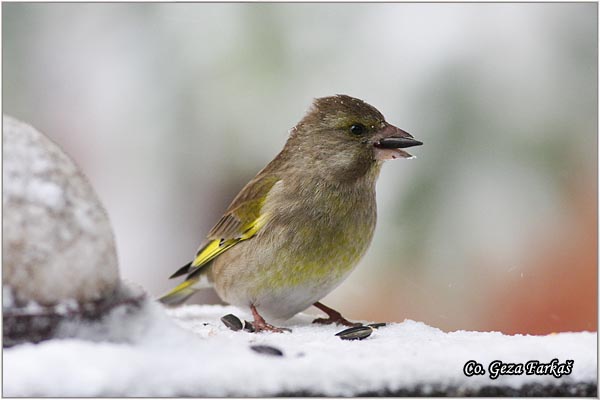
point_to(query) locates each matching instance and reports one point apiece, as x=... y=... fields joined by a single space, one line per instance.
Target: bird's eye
x=357 y=129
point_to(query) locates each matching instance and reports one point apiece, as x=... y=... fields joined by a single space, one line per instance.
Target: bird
x=301 y=225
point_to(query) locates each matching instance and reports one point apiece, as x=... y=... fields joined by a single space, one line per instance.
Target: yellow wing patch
x=218 y=246
x=212 y=250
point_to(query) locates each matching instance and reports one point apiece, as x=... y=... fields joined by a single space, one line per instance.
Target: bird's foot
x=340 y=320
x=260 y=325
x=334 y=317
x=266 y=327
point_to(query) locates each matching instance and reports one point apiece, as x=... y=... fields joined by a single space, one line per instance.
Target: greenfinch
x=298 y=229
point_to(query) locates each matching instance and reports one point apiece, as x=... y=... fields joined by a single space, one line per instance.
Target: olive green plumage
x=297 y=229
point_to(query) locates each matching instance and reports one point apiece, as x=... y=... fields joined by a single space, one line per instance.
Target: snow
x=57 y=240
x=189 y=352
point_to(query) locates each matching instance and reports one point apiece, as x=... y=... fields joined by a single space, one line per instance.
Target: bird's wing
x=242 y=220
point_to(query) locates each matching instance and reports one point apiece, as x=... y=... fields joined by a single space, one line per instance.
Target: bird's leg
x=334 y=316
x=260 y=324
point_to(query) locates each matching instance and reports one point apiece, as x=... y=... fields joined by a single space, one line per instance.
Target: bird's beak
x=389 y=142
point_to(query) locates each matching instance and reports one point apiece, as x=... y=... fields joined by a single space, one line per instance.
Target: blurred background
x=171 y=108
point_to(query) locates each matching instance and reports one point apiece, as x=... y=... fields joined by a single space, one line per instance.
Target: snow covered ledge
x=189 y=352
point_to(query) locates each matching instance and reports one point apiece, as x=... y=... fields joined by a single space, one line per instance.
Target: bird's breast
x=320 y=232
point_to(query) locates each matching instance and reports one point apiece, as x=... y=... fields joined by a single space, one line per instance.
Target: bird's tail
x=181 y=292
x=182 y=271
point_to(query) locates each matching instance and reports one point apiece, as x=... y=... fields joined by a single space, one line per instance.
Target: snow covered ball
x=57 y=240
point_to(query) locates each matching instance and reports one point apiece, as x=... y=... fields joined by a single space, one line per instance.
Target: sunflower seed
x=232 y=322
x=355 y=333
x=377 y=325
x=271 y=351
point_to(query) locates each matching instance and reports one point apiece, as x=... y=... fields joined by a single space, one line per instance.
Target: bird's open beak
x=389 y=142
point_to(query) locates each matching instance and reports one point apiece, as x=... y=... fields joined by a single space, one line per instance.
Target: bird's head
x=348 y=136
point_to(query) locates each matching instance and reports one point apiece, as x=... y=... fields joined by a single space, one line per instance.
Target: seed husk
x=355 y=333
x=248 y=326
x=268 y=350
x=377 y=325
x=232 y=322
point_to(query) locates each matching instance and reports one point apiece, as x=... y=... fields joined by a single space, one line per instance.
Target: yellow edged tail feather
x=180 y=293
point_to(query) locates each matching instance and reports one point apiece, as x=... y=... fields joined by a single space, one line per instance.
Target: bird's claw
x=260 y=325
x=269 y=328
x=338 y=320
